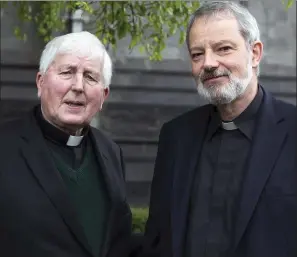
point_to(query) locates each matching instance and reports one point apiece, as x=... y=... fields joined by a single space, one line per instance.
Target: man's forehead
x=214 y=22
x=214 y=30
x=217 y=16
x=66 y=61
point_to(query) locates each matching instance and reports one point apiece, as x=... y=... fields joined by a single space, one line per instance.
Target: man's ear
x=257 y=52
x=39 y=83
x=106 y=93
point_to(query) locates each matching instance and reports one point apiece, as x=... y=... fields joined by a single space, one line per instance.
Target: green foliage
x=148 y=23
x=139 y=218
x=288 y=3
x=49 y=17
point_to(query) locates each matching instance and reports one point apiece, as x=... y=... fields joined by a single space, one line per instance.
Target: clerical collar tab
x=74 y=140
x=229 y=125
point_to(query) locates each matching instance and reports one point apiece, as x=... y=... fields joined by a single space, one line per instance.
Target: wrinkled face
x=222 y=64
x=71 y=91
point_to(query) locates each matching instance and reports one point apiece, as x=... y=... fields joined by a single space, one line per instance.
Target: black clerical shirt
x=81 y=172
x=56 y=140
x=217 y=183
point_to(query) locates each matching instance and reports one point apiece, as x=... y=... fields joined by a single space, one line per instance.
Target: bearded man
x=225 y=178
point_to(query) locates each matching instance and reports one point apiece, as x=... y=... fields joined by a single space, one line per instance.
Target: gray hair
x=80 y=44
x=248 y=26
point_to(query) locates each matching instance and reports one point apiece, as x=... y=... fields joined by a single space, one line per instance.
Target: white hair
x=80 y=44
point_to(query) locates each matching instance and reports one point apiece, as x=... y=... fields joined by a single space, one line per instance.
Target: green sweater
x=88 y=193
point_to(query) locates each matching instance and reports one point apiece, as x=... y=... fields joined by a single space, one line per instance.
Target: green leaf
x=105 y=41
x=142 y=49
x=182 y=36
x=122 y=30
x=133 y=42
x=290 y=3
x=170 y=11
x=17 y=31
x=172 y=29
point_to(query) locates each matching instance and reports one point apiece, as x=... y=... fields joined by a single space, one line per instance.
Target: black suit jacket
x=36 y=217
x=267 y=216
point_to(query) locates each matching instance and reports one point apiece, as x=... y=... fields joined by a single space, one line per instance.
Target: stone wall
x=144 y=94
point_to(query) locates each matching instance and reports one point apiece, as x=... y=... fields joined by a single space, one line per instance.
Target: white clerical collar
x=74 y=140
x=229 y=125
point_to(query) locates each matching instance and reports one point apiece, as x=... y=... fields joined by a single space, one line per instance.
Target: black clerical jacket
x=37 y=218
x=266 y=223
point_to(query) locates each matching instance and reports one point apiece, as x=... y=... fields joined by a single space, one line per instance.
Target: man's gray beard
x=219 y=94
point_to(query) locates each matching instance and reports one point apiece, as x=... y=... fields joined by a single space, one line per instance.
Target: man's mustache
x=205 y=75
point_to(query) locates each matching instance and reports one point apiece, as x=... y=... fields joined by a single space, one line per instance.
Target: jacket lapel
x=37 y=157
x=269 y=137
x=188 y=152
x=102 y=158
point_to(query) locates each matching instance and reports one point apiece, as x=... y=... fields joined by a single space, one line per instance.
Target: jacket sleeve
x=126 y=244
x=157 y=231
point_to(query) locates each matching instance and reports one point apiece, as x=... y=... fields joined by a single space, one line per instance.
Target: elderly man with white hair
x=62 y=188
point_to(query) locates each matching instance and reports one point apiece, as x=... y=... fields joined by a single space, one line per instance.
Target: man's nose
x=78 y=83
x=210 y=61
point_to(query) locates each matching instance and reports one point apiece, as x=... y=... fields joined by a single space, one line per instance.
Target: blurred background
x=144 y=93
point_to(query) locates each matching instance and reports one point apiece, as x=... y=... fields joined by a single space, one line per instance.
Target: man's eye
x=66 y=72
x=195 y=55
x=224 y=48
x=89 y=77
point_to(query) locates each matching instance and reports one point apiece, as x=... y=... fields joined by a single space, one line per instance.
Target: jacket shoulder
x=284 y=107
x=104 y=139
x=286 y=111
